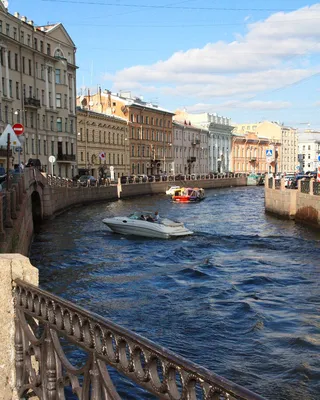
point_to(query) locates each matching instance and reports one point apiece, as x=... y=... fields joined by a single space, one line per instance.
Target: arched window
x=113 y=138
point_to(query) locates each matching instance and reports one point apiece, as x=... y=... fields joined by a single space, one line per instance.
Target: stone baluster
x=13 y=203
x=2 y=231
x=9 y=223
x=15 y=187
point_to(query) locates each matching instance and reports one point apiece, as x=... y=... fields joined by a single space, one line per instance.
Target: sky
x=248 y=60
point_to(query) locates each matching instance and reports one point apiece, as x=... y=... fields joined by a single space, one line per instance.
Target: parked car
x=87 y=180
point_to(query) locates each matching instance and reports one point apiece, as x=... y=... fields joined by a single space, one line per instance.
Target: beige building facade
x=149 y=129
x=38 y=90
x=190 y=149
x=276 y=133
x=103 y=148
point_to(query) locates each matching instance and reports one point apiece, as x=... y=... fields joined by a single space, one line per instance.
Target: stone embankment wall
x=293 y=204
x=12 y=266
x=58 y=199
x=16 y=221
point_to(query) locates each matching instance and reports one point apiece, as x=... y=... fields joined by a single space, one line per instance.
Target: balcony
x=253 y=159
x=191 y=159
x=3 y=153
x=195 y=142
x=66 y=157
x=31 y=102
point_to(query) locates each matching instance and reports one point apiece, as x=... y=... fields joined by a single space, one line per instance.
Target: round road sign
x=18 y=129
x=52 y=159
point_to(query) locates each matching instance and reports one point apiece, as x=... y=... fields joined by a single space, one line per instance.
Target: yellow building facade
x=149 y=130
x=102 y=146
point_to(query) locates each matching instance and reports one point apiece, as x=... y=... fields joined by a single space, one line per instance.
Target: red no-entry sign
x=18 y=129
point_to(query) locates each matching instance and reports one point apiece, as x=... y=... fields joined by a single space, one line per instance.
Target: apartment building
x=309 y=151
x=249 y=153
x=286 y=136
x=219 y=138
x=190 y=148
x=38 y=89
x=149 y=129
x=103 y=148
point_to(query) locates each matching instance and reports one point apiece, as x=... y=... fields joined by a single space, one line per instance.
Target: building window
x=7 y=29
x=32 y=146
x=0 y=26
x=52 y=147
x=16 y=65
x=31 y=120
x=15 y=33
x=132 y=151
x=58 y=100
x=51 y=123
x=45 y=147
x=48 y=49
x=59 y=124
x=41 y=46
x=17 y=91
x=35 y=43
x=39 y=146
x=9 y=59
x=10 y=88
x=30 y=67
x=58 y=76
x=22 y=36
x=28 y=40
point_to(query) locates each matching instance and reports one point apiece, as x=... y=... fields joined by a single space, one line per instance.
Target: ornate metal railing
x=44 y=320
x=277 y=183
x=316 y=188
x=305 y=187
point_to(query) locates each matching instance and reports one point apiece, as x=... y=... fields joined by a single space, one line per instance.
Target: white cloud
x=271 y=55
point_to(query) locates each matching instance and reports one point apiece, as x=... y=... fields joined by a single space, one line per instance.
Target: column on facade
x=73 y=95
x=53 y=88
x=47 y=86
x=68 y=93
x=7 y=72
x=1 y=88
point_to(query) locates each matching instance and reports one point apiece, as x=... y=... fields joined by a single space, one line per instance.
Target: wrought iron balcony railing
x=32 y=102
x=195 y=142
x=191 y=159
x=43 y=321
x=66 y=157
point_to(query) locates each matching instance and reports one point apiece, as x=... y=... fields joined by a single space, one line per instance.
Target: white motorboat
x=164 y=228
x=171 y=190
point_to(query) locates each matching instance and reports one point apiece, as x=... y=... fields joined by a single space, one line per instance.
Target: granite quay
x=301 y=204
x=31 y=354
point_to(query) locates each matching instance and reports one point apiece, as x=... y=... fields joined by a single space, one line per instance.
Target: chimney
x=16 y=14
x=30 y=22
x=24 y=19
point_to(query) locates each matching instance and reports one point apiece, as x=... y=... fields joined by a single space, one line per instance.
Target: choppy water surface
x=241 y=296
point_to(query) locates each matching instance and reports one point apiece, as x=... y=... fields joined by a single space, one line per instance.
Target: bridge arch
x=37 y=210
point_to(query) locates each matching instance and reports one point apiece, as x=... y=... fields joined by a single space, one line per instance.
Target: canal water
x=240 y=297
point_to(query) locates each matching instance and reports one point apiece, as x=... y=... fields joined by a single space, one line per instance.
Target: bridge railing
x=43 y=321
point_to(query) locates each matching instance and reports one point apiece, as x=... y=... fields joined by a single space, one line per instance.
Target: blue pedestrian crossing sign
x=269 y=153
x=319 y=157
